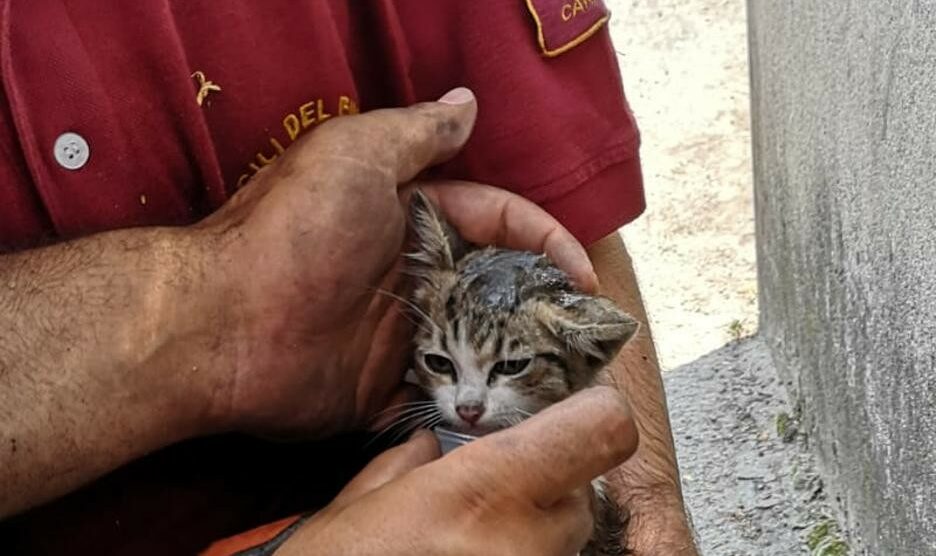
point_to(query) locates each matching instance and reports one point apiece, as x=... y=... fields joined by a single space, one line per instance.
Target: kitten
x=503 y=334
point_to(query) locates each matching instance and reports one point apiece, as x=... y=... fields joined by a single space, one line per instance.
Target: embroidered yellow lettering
x=264 y=161
x=321 y=115
x=295 y=123
x=572 y=9
x=292 y=126
x=276 y=145
x=307 y=113
x=346 y=106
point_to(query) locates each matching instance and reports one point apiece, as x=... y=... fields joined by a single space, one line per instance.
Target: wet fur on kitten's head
x=502 y=334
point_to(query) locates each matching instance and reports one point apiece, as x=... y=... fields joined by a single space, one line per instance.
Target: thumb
x=399 y=143
x=563 y=447
x=421 y=448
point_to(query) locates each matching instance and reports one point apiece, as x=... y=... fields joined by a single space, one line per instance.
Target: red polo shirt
x=119 y=113
x=125 y=77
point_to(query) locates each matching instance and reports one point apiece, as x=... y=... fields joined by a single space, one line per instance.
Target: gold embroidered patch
x=561 y=25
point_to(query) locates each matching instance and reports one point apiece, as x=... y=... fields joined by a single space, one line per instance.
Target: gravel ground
x=751 y=490
x=685 y=70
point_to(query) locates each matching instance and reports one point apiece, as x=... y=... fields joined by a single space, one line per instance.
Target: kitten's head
x=502 y=334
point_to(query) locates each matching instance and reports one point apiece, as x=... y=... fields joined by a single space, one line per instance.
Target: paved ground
x=684 y=65
x=751 y=491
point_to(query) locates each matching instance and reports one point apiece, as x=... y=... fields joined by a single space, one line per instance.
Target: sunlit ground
x=685 y=71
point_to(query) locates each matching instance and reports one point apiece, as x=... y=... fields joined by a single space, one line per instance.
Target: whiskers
x=413 y=307
x=515 y=416
x=412 y=416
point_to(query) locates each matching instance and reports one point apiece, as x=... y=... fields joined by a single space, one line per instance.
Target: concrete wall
x=844 y=124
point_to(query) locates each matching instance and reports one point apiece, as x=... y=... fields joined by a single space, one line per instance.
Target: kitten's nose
x=470 y=412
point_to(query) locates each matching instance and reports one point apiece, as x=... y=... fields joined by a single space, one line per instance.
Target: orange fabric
x=250 y=539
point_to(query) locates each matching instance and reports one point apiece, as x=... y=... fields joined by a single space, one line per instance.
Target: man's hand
x=518 y=491
x=267 y=316
x=312 y=336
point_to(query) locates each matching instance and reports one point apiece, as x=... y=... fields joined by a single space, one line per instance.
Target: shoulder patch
x=561 y=25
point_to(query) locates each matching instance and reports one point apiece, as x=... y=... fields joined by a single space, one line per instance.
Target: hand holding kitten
x=297 y=328
x=517 y=491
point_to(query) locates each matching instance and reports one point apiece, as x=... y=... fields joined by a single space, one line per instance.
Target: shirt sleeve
x=556 y=129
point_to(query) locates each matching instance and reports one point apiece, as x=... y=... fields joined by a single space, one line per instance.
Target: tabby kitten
x=503 y=334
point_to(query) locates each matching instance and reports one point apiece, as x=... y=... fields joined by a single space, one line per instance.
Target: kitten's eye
x=439 y=364
x=510 y=367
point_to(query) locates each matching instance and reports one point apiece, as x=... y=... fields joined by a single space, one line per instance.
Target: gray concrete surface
x=751 y=490
x=844 y=141
x=684 y=65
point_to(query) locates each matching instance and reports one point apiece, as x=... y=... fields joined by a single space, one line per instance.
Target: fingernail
x=573 y=258
x=587 y=285
x=461 y=95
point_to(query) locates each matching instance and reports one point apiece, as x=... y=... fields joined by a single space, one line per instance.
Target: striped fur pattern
x=505 y=334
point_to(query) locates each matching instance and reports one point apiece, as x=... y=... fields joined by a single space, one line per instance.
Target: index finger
x=563 y=447
x=486 y=215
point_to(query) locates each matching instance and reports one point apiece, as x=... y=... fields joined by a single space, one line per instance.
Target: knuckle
x=340 y=135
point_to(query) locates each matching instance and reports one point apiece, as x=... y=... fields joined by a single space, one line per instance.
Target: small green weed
x=823 y=540
x=736 y=329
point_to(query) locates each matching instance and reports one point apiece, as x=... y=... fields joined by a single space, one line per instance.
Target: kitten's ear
x=592 y=326
x=438 y=244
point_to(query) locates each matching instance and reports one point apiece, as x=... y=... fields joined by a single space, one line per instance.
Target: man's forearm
x=86 y=381
x=648 y=484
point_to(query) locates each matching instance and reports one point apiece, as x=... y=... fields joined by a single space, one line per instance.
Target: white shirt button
x=72 y=151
